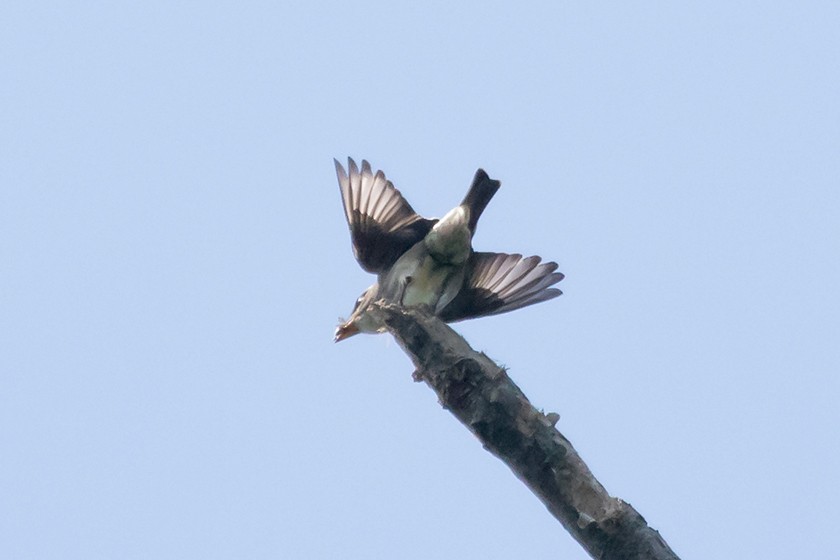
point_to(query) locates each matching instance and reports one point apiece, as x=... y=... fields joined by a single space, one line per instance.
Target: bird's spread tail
x=481 y=191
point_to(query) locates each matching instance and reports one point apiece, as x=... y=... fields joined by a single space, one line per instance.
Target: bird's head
x=359 y=321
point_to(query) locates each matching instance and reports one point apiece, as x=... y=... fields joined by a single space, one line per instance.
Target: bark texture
x=482 y=396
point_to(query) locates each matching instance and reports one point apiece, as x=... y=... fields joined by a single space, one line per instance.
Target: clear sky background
x=173 y=259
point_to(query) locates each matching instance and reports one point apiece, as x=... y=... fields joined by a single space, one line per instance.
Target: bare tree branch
x=482 y=396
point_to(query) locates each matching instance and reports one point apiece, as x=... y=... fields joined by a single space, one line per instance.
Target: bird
x=430 y=262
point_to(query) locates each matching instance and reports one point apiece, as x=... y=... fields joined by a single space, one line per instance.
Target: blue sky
x=173 y=259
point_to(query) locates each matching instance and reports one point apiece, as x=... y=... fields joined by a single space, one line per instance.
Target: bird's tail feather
x=481 y=191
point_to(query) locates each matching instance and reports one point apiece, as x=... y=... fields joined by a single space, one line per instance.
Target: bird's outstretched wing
x=383 y=225
x=499 y=282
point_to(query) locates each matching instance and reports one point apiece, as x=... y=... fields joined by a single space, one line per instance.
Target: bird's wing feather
x=499 y=282
x=383 y=225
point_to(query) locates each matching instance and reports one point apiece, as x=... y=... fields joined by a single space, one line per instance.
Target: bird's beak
x=345 y=330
